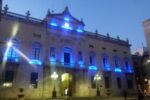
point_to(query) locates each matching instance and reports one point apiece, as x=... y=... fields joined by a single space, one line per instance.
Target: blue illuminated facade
x=12 y=56
x=35 y=54
x=59 y=44
x=106 y=64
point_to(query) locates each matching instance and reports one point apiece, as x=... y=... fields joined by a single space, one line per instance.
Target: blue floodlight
x=53 y=24
x=52 y=61
x=79 y=30
x=66 y=19
x=92 y=67
x=66 y=26
x=35 y=62
x=81 y=64
x=118 y=70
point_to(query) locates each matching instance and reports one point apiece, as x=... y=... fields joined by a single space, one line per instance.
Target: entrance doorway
x=66 y=80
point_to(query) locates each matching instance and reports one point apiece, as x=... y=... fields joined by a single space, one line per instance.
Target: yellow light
x=15 y=29
x=145 y=79
x=97 y=77
x=54 y=76
x=7 y=84
x=149 y=82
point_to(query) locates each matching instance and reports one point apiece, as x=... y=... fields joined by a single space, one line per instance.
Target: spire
x=66 y=10
x=82 y=21
x=96 y=31
x=28 y=14
x=108 y=34
x=6 y=9
x=48 y=12
x=118 y=37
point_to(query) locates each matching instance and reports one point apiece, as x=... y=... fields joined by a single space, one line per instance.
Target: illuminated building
x=57 y=55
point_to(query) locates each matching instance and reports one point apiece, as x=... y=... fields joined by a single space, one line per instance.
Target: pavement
x=83 y=98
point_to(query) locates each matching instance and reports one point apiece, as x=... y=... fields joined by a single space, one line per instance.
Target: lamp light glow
x=9 y=43
x=54 y=76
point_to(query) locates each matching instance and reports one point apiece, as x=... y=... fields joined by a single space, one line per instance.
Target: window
x=36 y=50
x=116 y=61
x=115 y=50
x=33 y=79
x=12 y=54
x=67 y=58
x=91 y=46
x=93 y=83
x=80 y=56
x=92 y=58
x=52 y=52
x=9 y=76
x=119 y=82
x=107 y=82
x=129 y=84
x=126 y=61
x=36 y=53
x=105 y=61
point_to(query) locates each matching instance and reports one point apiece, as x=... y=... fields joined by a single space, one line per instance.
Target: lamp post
x=54 y=76
x=97 y=78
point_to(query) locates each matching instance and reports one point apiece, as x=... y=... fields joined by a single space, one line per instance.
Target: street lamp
x=54 y=76
x=97 y=78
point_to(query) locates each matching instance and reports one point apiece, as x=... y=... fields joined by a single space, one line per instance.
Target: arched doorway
x=66 y=80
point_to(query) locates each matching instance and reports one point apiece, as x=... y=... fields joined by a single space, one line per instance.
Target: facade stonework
x=61 y=45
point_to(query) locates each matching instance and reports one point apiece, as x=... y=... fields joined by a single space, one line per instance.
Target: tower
x=146 y=25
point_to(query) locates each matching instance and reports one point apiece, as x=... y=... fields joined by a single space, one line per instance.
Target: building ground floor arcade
x=38 y=82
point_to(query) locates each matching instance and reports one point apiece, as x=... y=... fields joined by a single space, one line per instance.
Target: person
x=125 y=94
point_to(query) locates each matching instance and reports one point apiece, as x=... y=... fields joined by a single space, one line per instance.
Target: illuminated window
x=92 y=58
x=52 y=52
x=36 y=50
x=80 y=56
x=36 y=47
x=106 y=62
x=34 y=79
x=127 y=65
x=116 y=61
x=12 y=54
x=36 y=53
x=67 y=58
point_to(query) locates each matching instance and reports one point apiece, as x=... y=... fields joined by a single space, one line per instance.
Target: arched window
x=116 y=61
x=127 y=64
x=105 y=61
x=92 y=58
x=67 y=56
x=80 y=56
x=36 y=47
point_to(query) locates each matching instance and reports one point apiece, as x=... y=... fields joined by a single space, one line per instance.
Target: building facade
x=56 y=56
x=146 y=26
